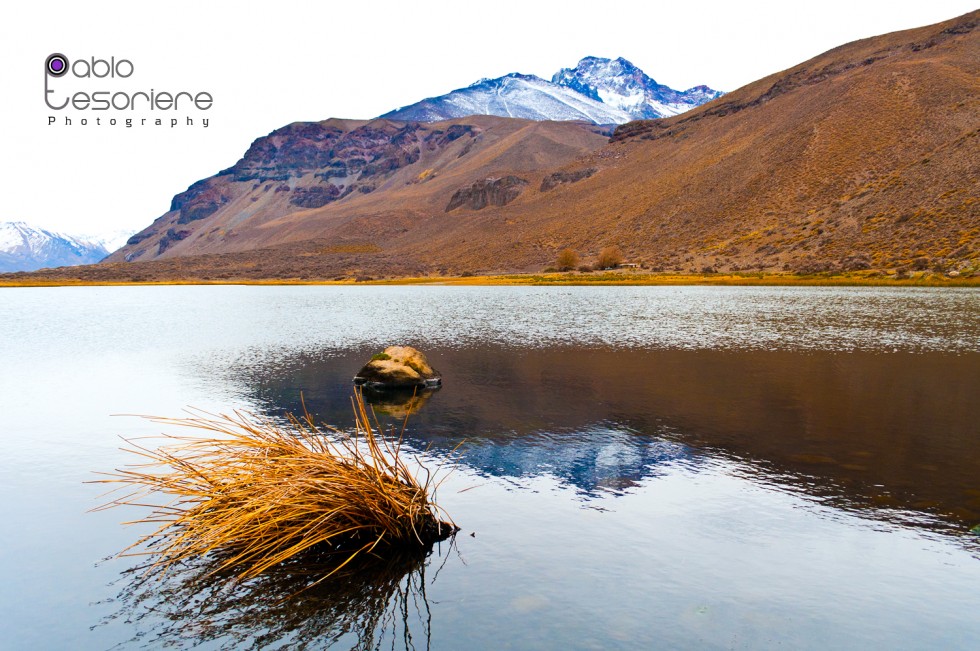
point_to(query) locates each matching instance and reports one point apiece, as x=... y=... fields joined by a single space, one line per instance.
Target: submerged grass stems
x=256 y=493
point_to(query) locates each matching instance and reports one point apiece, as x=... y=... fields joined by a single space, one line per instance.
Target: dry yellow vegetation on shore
x=608 y=278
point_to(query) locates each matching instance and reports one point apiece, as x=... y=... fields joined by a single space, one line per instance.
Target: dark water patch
x=888 y=432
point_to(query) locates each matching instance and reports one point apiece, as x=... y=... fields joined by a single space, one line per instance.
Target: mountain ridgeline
x=602 y=91
x=864 y=157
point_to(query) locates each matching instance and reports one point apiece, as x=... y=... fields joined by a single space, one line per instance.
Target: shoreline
x=557 y=279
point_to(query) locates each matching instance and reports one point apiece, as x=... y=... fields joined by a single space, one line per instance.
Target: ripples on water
x=686 y=318
x=718 y=318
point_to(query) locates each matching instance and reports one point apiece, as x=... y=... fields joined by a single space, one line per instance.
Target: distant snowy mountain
x=27 y=248
x=514 y=96
x=618 y=83
x=110 y=241
x=603 y=91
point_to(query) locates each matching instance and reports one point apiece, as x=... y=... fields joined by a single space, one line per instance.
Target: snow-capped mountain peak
x=514 y=95
x=603 y=91
x=619 y=83
x=24 y=247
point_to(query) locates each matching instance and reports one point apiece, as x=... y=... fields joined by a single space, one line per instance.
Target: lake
x=639 y=467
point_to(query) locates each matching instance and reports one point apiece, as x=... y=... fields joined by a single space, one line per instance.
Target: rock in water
x=398 y=367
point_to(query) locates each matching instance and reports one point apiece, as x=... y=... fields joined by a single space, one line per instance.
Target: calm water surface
x=731 y=468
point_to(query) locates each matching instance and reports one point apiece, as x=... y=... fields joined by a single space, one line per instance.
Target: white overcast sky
x=271 y=63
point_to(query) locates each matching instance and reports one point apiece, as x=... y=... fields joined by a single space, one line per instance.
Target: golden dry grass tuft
x=254 y=493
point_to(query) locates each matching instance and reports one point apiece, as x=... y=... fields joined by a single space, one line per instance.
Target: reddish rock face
x=341 y=161
x=488 y=192
x=316 y=196
x=556 y=179
x=332 y=153
x=171 y=236
x=199 y=201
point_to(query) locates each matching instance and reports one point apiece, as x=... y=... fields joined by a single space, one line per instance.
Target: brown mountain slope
x=866 y=155
x=361 y=181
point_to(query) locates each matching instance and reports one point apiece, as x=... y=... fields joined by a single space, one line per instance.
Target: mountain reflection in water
x=599 y=459
x=891 y=434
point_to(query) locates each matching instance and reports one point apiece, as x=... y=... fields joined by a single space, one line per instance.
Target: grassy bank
x=633 y=278
x=661 y=279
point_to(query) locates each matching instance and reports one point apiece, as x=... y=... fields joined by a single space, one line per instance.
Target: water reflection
x=492 y=438
x=598 y=460
x=890 y=434
x=398 y=403
x=374 y=602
